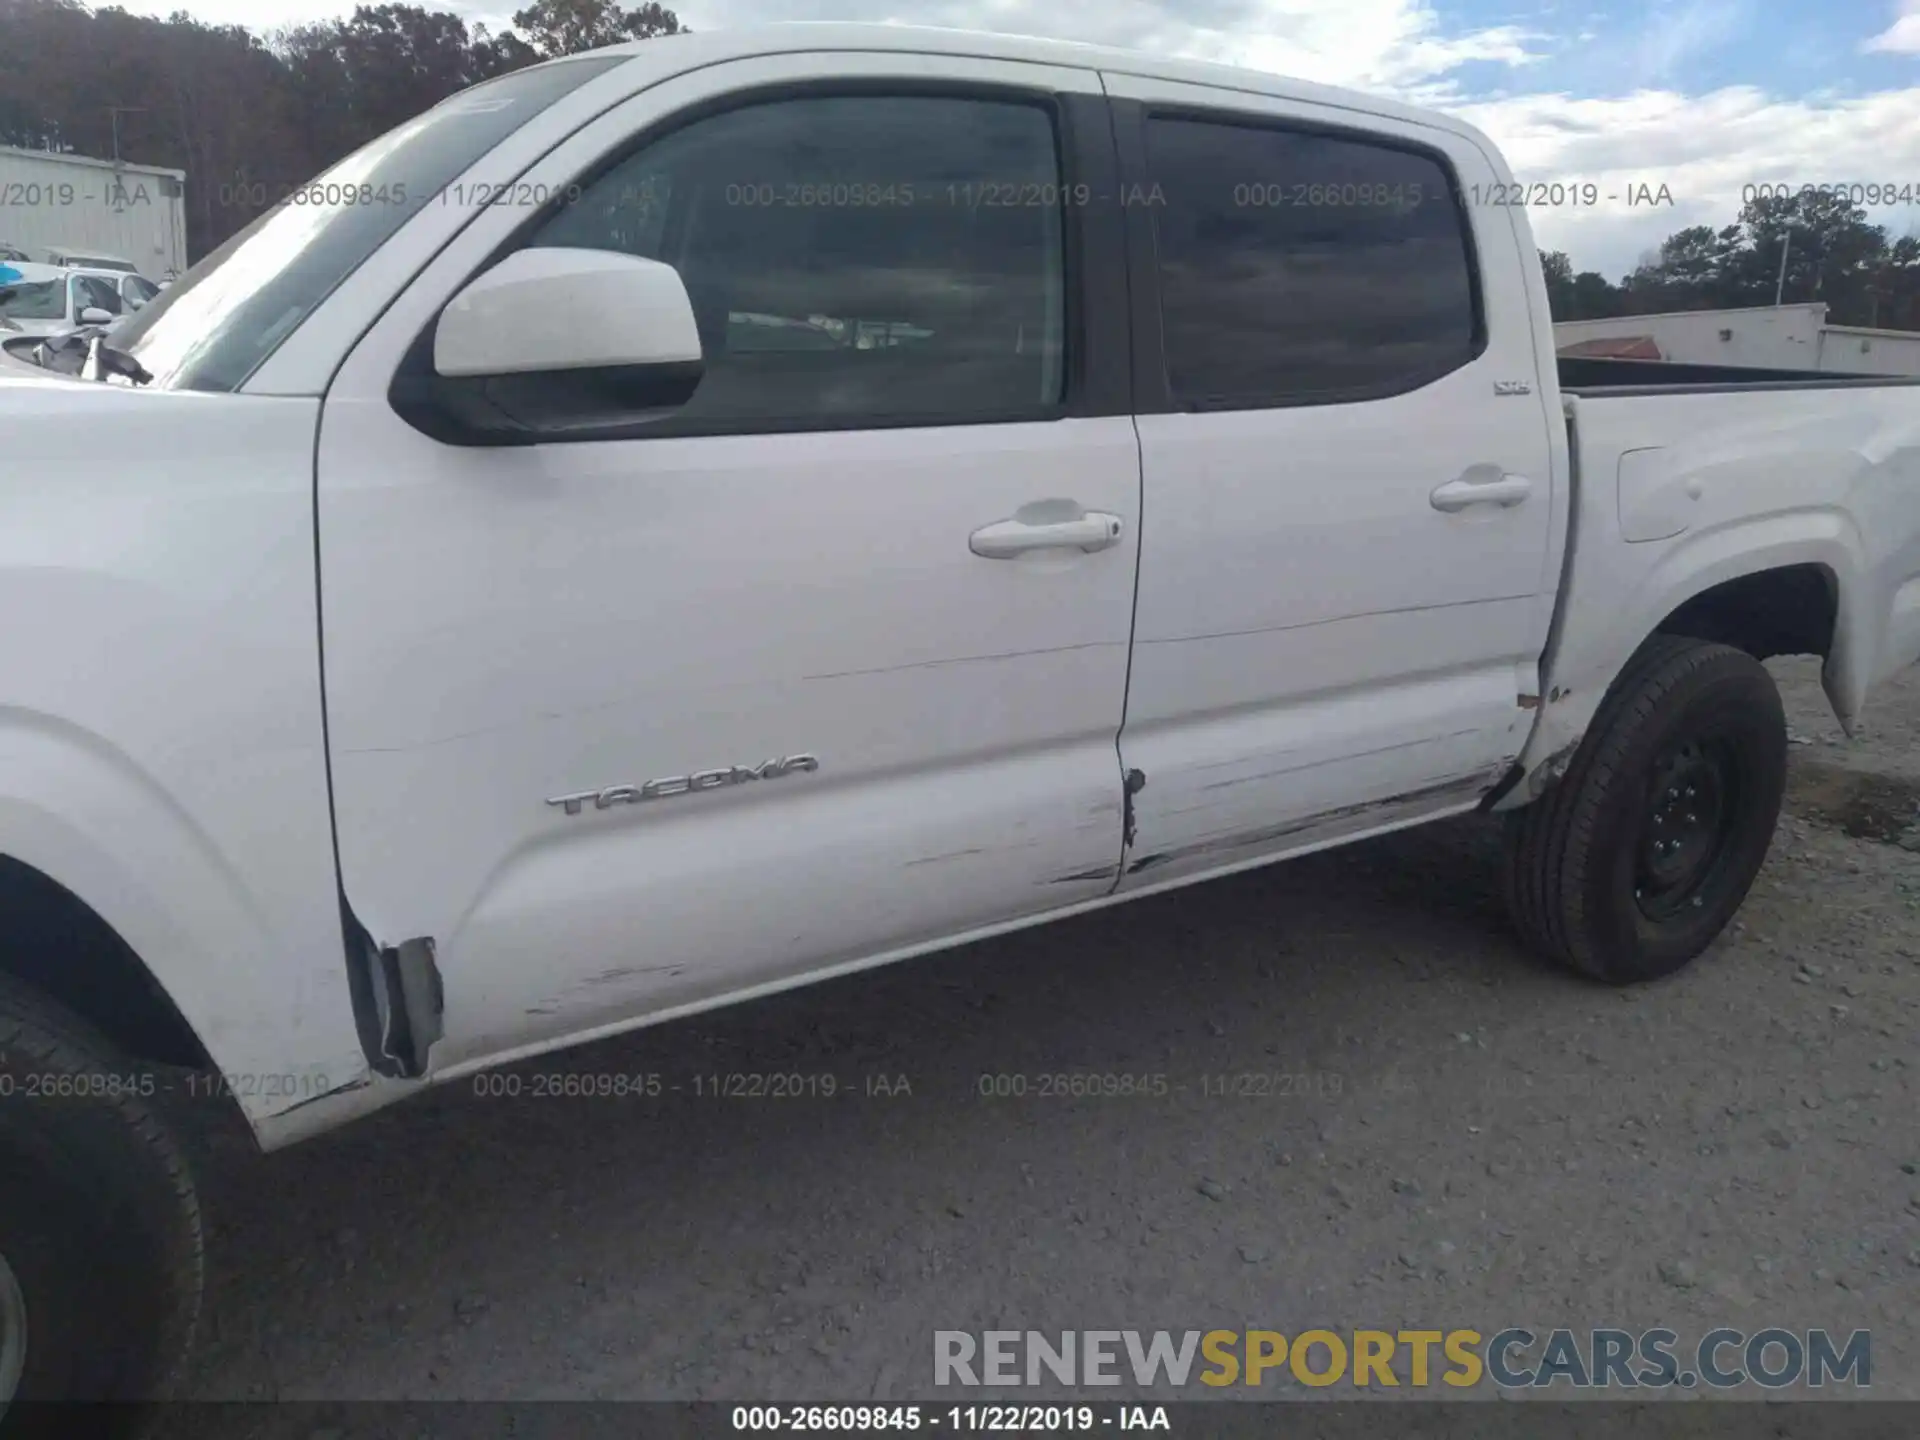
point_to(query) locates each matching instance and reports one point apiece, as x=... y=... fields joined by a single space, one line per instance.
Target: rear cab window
x=1304 y=266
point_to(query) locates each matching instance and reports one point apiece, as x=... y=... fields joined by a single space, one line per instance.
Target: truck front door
x=816 y=670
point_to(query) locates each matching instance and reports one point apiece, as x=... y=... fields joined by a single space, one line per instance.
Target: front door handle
x=1089 y=531
x=1497 y=489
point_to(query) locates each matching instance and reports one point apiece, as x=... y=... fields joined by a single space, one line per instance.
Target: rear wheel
x=1632 y=864
x=100 y=1240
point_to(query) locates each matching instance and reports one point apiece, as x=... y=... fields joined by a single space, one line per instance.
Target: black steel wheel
x=1632 y=864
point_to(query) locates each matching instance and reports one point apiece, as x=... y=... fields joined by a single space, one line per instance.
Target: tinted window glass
x=211 y=328
x=852 y=257
x=1295 y=266
x=91 y=291
x=34 y=299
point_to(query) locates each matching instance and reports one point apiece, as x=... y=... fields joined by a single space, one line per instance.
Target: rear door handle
x=1091 y=530
x=1499 y=489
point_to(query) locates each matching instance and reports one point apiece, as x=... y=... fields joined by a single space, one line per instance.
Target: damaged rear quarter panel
x=1824 y=477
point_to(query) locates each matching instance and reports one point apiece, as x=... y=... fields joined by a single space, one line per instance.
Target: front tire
x=100 y=1236
x=1638 y=858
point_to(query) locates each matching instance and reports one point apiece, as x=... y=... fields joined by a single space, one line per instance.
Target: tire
x=1614 y=872
x=100 y=1235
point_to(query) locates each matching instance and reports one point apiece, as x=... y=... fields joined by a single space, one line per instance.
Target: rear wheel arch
x=1798 y=604
x=1781 y=610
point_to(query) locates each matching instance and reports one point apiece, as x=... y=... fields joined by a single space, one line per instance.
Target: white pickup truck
x=707 y=515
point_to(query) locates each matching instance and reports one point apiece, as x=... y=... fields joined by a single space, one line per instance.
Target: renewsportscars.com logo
x=1511 y=1359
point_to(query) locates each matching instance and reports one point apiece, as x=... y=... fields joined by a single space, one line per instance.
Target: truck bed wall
x=1579 y=373
x=1677 y=490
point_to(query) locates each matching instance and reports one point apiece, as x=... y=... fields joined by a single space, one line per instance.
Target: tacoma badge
x=686 y=784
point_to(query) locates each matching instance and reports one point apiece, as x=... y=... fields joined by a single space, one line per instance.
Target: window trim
x=1096 y=376
x=1153 y=385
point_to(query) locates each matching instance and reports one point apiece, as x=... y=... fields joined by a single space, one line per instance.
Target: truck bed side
x=1679 y=490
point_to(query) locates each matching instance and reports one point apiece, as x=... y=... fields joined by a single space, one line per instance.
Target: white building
x=1768 y=337
x=70 y=202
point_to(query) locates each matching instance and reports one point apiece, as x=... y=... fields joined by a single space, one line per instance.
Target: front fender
x=162 y=754
x=83 y=814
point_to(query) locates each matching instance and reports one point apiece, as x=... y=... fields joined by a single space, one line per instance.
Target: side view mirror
x=94 y=315
x=554 y=344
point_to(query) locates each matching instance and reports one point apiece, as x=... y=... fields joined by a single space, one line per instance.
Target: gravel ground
x=1468 y=1139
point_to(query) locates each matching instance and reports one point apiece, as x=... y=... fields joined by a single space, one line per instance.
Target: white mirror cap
x=563 y=309
x=94 y=315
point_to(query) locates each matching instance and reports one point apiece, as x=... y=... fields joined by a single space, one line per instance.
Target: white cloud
x=1673 y=36
x=1703 y=148
x=1375 y=43
x=1399 y=44
x=1903 y=36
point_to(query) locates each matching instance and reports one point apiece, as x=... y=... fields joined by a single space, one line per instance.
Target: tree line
x=250 y=116
x=1830 y=251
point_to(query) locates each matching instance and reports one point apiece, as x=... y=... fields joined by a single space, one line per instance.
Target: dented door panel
x=629 y=726
x=1343 y=594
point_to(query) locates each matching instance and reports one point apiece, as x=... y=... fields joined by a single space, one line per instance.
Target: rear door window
x=1301 y=267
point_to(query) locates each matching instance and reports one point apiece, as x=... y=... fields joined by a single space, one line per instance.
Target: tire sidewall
x=91 y=1257
x=1733 y=699
x=43 y=1247
x=98 y=1221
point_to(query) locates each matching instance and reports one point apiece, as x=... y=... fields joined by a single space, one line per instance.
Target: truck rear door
x=1348 y=465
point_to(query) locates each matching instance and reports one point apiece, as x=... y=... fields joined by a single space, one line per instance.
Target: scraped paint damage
x=1470 y=788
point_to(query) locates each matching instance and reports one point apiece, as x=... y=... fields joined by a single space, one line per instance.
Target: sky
x=1701 y=97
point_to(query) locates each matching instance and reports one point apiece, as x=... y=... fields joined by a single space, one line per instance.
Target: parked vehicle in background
x=136 y=291
x=48 y=299
x=704 y=516
x=37 y=299
x=10 y=274
x=89 y=260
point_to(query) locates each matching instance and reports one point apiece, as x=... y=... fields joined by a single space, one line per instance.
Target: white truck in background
x=697 y=517
x=54 y=299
